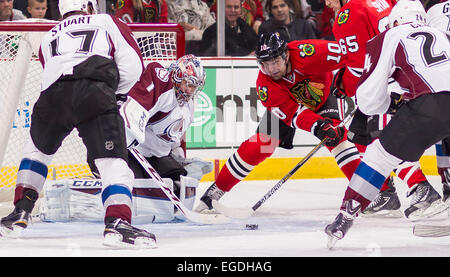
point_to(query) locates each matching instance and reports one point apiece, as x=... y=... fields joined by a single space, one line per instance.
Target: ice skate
x=120 y=234
x=446 y=186
x=425 y=203
x=212 y=193
x=13 y=224
x=446 y=193
x=342 y=223
x=387 y=204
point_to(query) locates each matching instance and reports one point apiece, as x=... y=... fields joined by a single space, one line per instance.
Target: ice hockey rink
x=290 y=224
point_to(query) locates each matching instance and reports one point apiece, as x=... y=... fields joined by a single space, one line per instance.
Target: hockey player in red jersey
x=417 y=57
x=356 y=22
x=142 y=11
x=294 y=85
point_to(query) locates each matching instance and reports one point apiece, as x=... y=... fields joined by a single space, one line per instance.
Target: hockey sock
x=118 y=211
x=250 y=153
x=385 y=185
x=25 y=198
x=347 y=157
x=411 y=175
x=361 y=148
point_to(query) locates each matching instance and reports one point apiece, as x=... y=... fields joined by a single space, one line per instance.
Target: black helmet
x=270 y=46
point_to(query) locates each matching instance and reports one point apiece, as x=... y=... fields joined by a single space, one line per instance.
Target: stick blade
x=431 y=230
x=207 y=219
x=232 y=212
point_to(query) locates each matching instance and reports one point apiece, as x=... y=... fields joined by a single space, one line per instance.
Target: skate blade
x=16 y=232
x=384 y=214
x=331 y=242
x=115 y=241
x=436 y=208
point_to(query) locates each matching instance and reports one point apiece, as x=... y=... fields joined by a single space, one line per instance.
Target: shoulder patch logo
x=162 y=74
x=343 y=17
x=262 y=93
x=306 y=50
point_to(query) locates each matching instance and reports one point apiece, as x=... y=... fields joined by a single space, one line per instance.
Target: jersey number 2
x=427 y=53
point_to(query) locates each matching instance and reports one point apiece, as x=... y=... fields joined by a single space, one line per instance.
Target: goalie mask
x=66 y=6
x=407 y=11
x=188 y=77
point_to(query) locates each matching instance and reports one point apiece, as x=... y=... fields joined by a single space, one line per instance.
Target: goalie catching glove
x=323 y=128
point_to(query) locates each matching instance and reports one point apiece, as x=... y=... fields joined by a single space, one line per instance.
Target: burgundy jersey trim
x=127 y=35
x=407 y=77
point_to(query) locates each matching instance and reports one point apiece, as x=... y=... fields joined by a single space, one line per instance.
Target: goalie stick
x=431 y=230
x=244 y=213
x=190 y=215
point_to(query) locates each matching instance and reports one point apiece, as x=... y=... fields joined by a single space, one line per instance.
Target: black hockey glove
x=323 y=128
x=396 y=102
x=336 y=86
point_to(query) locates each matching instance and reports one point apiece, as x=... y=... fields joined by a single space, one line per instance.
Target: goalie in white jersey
x=163 y=101
x=418 y=58
x=89 y=61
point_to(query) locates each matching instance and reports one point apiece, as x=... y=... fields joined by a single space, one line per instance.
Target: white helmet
x=66 y=6
x=438 y=16
x=406 y=11
x=188 y=69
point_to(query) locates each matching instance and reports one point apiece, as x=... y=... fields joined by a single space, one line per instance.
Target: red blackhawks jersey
x=168 y=121
x=298 y=95
x=357 y=22
x=153 y=11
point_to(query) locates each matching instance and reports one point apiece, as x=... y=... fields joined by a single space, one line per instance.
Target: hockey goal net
x=20 y=72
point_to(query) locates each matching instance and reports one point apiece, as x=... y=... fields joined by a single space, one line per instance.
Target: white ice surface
x=291 y=224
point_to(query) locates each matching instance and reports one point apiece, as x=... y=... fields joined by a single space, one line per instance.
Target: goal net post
x=20 y=74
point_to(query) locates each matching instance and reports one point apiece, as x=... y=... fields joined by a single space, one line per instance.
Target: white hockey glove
x=196 y=167
x=136 y=118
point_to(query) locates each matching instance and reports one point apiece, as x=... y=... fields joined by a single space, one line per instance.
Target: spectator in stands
x=193 y=15
x=240 y=38
x=8 y=13
x=252 y=12
x=142 y=11
x=283 y=21
x=37 y=8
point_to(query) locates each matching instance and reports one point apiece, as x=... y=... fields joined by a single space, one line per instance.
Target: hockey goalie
x=162 y=101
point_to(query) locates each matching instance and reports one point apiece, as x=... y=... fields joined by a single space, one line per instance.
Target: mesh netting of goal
x=20 y=72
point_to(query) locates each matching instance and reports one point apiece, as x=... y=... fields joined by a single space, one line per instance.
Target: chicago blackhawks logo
x=307 y=93
x=342 y=17
x=306 y=50
x=262 y=93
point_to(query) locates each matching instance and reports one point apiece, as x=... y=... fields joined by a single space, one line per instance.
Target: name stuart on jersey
x=66 y=23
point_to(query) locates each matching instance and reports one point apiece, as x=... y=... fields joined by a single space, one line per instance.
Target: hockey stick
x=244 y=213
x=190 y=215
x=431 y=230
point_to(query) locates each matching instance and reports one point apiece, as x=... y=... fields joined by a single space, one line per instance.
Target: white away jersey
x=417 y=57
x=78 y=37
x=438 y=16
x=168 y=121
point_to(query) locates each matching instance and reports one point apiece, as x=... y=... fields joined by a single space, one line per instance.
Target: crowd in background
x=244 y=19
